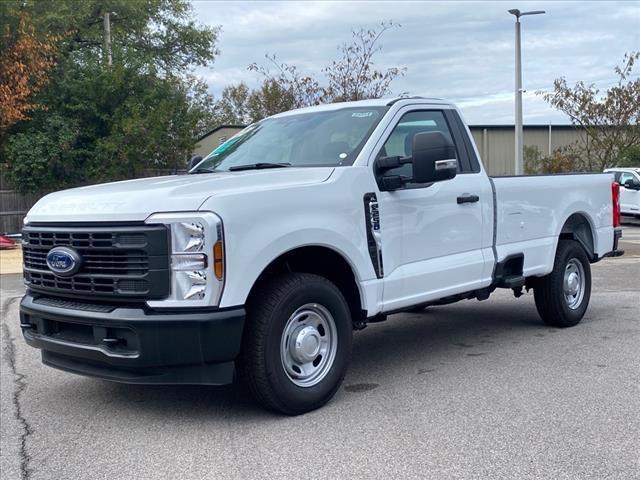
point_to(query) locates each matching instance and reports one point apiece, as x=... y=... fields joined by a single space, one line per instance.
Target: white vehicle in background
x=262 y=261
x=629 y=180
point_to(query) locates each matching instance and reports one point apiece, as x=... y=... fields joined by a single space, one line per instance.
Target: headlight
x=197 y=259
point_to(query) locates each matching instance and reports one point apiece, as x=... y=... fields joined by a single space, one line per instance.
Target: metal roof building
x=496 y=143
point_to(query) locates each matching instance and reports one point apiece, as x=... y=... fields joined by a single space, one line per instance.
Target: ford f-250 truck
x=265 y=257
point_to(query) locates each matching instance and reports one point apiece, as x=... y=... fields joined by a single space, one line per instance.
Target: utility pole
x=518 y=92
x=107 y=38
x=519 y=155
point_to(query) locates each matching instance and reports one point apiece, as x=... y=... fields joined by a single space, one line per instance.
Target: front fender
x=259 y=226
x=249 y=272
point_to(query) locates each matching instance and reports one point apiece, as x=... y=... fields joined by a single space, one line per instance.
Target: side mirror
x=196 y=159
x=632 y=184
x=433 y=158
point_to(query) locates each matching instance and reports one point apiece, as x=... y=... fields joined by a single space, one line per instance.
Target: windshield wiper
x=258 y=166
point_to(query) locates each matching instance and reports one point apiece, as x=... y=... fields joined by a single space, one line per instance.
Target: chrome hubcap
x=309 y=344
x=574 y=283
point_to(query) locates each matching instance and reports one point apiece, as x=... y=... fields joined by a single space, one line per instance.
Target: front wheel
x=562 y=296
x=297 y=343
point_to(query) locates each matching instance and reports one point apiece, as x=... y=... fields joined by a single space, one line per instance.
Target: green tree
x=631 y=157
x=105 y=122
x=233 y=108
x=270 y=98
x=532 y=159
x=610 y=120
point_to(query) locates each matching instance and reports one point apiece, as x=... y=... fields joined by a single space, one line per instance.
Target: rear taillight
x=615 y=199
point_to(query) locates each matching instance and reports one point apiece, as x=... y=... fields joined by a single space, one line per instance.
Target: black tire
x=260 y=366
x=549 y=293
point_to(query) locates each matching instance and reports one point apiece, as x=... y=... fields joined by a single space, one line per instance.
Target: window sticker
x=362 y=114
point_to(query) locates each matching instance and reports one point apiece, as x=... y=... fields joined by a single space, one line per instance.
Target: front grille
x=113 y=262
x=117 y=261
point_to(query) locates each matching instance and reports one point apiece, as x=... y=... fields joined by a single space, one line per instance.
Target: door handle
x=466 y=198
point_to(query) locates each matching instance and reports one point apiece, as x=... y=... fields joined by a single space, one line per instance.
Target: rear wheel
x=297 y=343
x=562 y=296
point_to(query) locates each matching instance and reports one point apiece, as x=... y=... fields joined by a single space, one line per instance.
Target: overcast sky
x=462 y=51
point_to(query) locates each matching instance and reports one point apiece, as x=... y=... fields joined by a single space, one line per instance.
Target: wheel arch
x=579 y=227
x=324 y=261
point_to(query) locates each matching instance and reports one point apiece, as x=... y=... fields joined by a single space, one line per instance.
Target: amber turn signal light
x=218 y=260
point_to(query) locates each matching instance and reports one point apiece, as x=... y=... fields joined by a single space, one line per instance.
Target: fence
x=14 y=206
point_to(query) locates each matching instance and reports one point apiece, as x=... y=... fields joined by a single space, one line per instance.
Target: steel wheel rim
x=574 y=283
x=309 y=344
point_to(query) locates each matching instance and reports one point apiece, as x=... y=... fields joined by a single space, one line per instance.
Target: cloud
x=462 y=51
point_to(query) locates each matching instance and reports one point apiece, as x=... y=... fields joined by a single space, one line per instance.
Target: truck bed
x=530 y=211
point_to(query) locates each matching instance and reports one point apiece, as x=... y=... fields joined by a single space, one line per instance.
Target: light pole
x=519 y=147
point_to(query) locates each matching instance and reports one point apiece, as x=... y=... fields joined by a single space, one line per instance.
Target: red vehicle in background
x=6 y=243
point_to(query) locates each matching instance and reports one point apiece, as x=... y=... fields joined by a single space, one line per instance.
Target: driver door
x=431 y=242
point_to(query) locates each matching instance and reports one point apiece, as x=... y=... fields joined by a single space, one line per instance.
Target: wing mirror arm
x=391 y=182
x=387 y=163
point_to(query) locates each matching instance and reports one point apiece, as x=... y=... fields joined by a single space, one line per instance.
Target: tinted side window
x=400 y=142
x=624 y=176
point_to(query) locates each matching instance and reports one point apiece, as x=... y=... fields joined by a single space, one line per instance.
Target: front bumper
x=133 y=344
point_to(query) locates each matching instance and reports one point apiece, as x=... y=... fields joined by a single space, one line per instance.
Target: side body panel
x=629 y=201
x=433 y=246
x=630 y=198
x=531 y=211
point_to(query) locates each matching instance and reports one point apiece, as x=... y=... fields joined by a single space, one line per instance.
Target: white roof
x=377 y=102
x=623 y=169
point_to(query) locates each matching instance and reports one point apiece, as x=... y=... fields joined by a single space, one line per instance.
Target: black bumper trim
x=615 y=252
x=136 y=345
x=205 y=374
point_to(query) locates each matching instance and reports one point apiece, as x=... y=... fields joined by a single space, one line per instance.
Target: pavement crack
x=19 y=384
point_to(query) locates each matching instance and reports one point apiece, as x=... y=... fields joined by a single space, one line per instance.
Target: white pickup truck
x=629 y=180
x=263 y=259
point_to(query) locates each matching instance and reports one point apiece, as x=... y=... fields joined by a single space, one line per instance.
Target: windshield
x=330 y=138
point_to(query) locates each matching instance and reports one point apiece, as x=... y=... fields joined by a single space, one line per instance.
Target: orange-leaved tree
x=25 y=63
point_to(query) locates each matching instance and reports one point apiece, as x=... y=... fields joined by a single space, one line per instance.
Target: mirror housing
x=632 y=184
x=433 y=158
x=193 y=161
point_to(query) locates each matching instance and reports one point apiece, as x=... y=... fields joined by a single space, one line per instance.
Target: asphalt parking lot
x=470 y=390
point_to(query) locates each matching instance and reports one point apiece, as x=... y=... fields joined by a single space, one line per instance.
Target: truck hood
x=135 y=200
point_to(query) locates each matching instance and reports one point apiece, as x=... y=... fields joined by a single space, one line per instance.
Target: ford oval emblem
x=63 y=261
